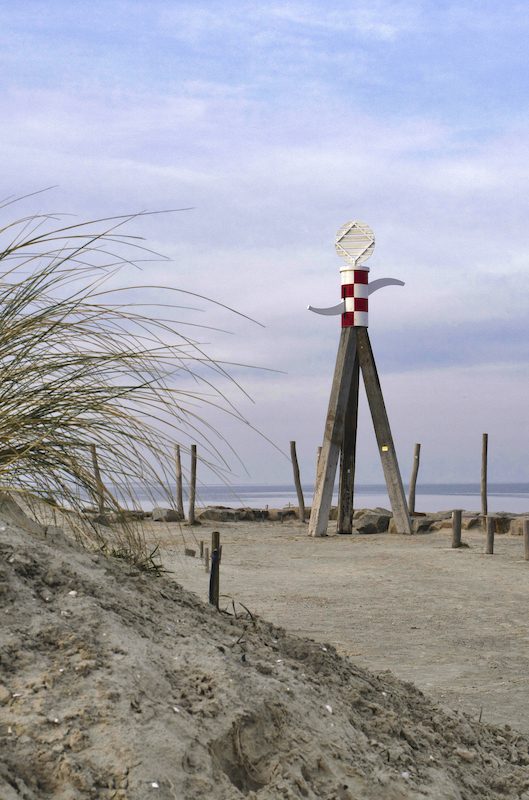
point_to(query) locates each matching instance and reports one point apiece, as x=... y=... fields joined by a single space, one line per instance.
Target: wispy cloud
x=277 y=123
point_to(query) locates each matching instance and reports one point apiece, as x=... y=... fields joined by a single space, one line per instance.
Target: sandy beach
x=452 y=621
x=120 y=684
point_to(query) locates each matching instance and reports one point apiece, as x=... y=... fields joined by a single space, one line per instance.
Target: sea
x=429 y=497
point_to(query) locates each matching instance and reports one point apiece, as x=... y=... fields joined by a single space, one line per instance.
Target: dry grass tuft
x=83 y=363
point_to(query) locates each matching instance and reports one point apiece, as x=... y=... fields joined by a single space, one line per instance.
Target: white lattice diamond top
x=355 y=241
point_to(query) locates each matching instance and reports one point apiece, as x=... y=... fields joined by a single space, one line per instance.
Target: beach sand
x=455 y=622
x=116 y=684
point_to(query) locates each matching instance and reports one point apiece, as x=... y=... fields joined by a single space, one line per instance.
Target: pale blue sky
x=277 y=123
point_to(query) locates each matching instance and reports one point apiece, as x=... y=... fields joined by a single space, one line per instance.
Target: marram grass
x=83 y=363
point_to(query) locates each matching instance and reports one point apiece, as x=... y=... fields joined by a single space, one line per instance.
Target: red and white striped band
x=355 y=294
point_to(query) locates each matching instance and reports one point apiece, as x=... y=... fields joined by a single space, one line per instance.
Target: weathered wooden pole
x=100 y=489
x=192 y=484
x=489 y=548
x=201 y=545
x=484 y=452
x=413 y=481
x=179 y=491
x=206 y=559
x=214 y=580
x=348 y=458
x=456 y=528
x=297 y=481
x=333 y=435
x=383 y=433
x=526 y=539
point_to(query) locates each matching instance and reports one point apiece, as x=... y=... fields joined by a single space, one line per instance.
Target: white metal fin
x=381 y=282
x=331 y=311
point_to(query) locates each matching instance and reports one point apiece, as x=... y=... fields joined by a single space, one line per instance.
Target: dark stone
x=166 y=515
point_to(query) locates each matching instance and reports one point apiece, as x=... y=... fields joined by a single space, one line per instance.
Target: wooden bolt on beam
x=489 y=548
x=526 y=539
x=456 y=528
x=484 y=452
x=413 y=481
x=297 y=481
x=179 y=491
x=192 y=485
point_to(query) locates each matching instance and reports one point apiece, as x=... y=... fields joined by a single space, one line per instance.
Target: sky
x=275 y=123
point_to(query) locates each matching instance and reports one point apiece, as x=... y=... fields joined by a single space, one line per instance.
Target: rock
x=373 y=522
x=516 y=526
x=218 y=514
x=281 y=514
x=166 y=515
x=5 y=695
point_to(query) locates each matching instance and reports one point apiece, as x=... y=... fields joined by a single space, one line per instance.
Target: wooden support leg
x=383 y=433
x=333 y=436
x=348 y=458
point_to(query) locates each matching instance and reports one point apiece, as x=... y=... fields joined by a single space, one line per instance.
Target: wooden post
x=348 y=458
x=334 y=430
x=214 y=580
x=206 y=559
x=490 y=536
x=484 y=450
x=192 y=485
x=201 y=548
x=526 y=539
x=215 y=541
x=413 y=481
x=456 y=528
x=383 y=433
x=297 y=481
x=179 y=492
x=100 y=489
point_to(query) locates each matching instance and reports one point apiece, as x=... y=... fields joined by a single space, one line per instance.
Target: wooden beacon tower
x=355 y=242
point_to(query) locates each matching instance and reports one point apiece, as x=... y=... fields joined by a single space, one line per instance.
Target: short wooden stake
x=206 y=559
x=297 y=481
x=456 y=528
x=215 y=542
x=201 y=549
x=526 y=538
x=490 y=536
x=214 y=578
x=484 y=452
x=100 y=489
x=179 y=491
x=413 y=481
x=192 y=485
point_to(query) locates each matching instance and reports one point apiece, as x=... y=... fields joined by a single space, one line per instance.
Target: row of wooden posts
x=413 y=480
x=489 y=528
x=101 y=491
